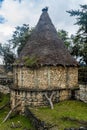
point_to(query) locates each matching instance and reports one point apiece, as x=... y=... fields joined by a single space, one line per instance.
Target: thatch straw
x=45 y=45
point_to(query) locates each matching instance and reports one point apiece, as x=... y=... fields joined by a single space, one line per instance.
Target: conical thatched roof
x=45 y=46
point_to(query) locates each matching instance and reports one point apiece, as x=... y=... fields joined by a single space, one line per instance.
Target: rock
x=54 y=128
x=82 y=128
x=4 y=89
x=26 y=128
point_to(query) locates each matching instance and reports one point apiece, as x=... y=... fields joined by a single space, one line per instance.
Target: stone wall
x=46 y=77
x=37 y=98
x=82 y=93
x=37 y=123
x=4 y=89
x=32 y=84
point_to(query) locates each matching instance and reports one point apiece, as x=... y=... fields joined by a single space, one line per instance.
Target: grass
x=7 y=125
x=4 y=98
x=72 y=109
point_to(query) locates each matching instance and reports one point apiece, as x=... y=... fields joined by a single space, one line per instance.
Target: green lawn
x=72 y=109
x=24 y=122
x=3 y=99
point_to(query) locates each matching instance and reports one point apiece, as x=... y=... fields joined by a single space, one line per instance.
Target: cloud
x=1 y=3
x=18 y=1
x=28 y=11
x=5 y=32
x=59 y=16
x=2 y=19
x=18 y=12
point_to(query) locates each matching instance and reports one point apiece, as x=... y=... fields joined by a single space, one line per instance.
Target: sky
x=14 y=13
x=17 y=12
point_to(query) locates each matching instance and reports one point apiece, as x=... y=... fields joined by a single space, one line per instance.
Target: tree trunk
x=8 y=115
x=50 y=99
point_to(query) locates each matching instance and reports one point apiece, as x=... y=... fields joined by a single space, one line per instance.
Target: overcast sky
x=18 y=12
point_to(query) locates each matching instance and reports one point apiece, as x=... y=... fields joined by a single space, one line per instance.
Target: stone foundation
x=82 y=93
x=4 y=89
x=37 y=98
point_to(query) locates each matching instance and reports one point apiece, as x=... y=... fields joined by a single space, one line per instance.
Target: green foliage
x=30 y=61
x=24 y=122
x=76 y=48
x=73 y=109
x=82 y=75
x=20 y=37
x=4 y=99
x=64 y=36
x=81 y=16
x=79 y=48
x=81 y=36
x=8 y=56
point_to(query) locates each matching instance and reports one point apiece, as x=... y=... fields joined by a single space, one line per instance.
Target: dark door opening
x=73 y=94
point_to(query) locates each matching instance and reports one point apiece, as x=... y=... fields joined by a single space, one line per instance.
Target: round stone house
x=44 y=66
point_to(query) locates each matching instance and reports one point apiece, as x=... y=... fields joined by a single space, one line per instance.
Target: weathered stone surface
x=4 y=89
x=57 y=79
x=46 y=77
x=80 y=128
x=82 y=93
x=37 y=98
x=64 y=95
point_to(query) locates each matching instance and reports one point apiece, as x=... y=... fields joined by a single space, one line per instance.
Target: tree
x=75 y=49
x=8 y=56
x=64 y=36
x=20 y=37
x=80 y=39
x=49 y=99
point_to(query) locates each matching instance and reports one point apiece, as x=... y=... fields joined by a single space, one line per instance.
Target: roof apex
x=45 y=9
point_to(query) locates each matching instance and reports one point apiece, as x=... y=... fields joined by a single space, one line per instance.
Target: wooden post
x=20 y=78
x=48 y=71
x=36 y=78
x=67 y=77
x=8 y=115
x=13 y=98
x=15 y=76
